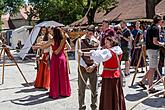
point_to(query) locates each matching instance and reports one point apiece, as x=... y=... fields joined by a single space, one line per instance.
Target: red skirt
x=43 y=74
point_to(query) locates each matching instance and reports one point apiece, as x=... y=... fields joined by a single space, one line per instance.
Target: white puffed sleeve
x=100 y=55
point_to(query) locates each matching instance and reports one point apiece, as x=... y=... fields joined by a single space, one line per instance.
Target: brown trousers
x=82 y=86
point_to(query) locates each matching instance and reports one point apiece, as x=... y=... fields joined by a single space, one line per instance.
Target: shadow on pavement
x=140 y=76
x=135 y=86
x=137 y=96
x=157 y=102
x=11 y=88
x=30 y=90
x=32 y=100
x=30 y=84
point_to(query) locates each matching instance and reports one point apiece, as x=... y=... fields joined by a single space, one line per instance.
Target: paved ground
x=15 y=95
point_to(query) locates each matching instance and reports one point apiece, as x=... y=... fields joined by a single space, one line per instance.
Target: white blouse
x=104 y=54
x=82 y=62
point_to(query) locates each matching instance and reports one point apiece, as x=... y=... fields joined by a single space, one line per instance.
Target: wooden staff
x=67 y=61
x=136 y=69
x=79 y=69
x=79 y=43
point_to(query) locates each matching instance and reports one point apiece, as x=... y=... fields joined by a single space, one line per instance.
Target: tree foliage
x=65 y=11
x=9 y=6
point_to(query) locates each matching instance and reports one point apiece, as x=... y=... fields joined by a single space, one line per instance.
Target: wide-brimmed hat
x=91 y=28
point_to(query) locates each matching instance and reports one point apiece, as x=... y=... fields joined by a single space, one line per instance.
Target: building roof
x=85 y=21
x=7 y=23
x=160 y=8
x=21 y=15
x=126 y=10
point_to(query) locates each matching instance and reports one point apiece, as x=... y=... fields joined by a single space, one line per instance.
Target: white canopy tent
x=20 y=34
x=33 y=35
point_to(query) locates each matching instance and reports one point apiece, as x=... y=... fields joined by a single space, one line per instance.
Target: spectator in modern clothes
x=126 y=41
x=152 y=45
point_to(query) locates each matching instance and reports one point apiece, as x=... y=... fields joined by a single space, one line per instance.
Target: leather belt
x=111 y=69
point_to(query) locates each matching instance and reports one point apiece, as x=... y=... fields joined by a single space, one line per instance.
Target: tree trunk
x=0 y=22
x=90 y=16
x=150 y=9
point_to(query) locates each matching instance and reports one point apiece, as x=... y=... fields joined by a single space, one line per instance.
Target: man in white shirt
x=88 y=69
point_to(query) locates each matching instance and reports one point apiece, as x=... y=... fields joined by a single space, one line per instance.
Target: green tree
x=94 y=5
x=9 y=6
x=0 y=21
x=67 y=11
x=30 y=14
x=64 y=11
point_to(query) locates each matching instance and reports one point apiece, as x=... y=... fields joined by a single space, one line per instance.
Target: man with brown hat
x=88 y=69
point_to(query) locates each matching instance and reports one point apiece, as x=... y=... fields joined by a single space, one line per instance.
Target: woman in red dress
x=112 y=97
x=43 y=72
x=59 y=77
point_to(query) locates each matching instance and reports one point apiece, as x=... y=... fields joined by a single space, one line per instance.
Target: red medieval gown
x=59 y=76
x=112 y=97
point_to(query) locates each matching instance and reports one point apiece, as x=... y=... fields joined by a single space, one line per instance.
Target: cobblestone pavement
x=15 y=95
